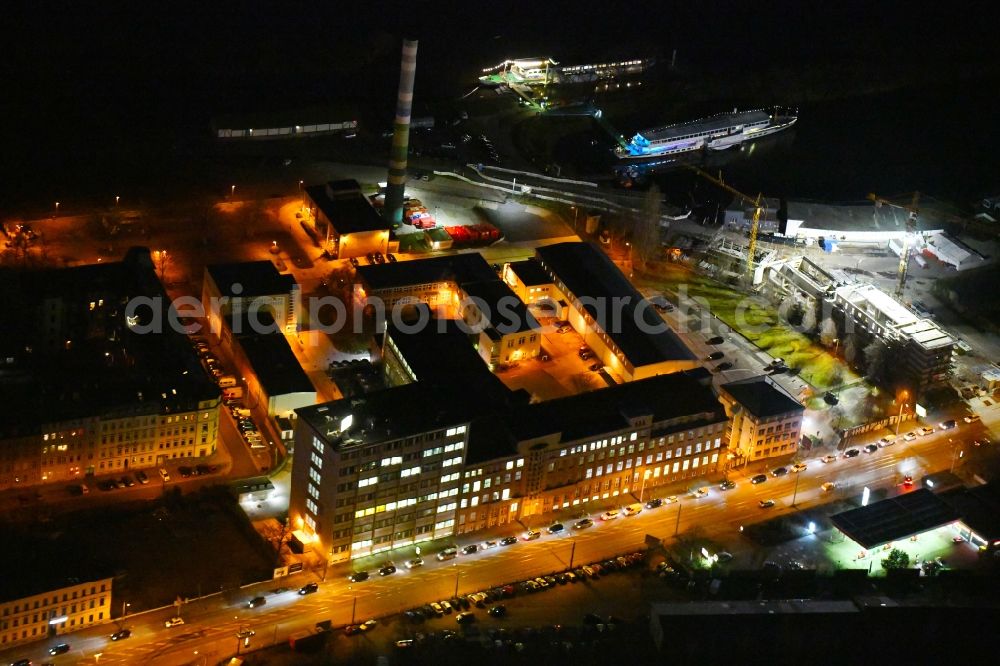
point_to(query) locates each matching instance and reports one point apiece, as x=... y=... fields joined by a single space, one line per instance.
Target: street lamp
x=232 y=190
x=117 y=198
x=125 y=607
x=902 y=403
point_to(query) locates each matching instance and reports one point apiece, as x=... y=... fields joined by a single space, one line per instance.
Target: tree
x=851 y=349
x=875 y=353
x=646 y=226
x=828 y=332
x=897 y=559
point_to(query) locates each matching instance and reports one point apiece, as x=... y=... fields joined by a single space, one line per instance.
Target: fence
x=874 y=425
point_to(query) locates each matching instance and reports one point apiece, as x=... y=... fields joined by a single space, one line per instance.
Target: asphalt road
x=211 y=624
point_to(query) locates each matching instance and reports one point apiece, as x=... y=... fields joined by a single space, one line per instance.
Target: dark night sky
x=77 y=77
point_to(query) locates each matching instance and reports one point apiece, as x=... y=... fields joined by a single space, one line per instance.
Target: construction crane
x=911 y=228
x=755 y=222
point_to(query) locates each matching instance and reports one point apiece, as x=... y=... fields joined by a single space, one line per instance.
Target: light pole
x=232 y=191
x=457 y=573
x=117 y=199
x=902 y=403
x=677 y=525
x=354 y=606
x=57 y=208
x=125 y=607
x=572 y=553
x=795 y=493
x=642 y=488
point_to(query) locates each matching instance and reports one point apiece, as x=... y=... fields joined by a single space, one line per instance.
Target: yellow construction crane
x=911 y=227
x=755 y=222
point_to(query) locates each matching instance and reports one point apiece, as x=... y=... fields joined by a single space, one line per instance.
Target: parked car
x=387 y=570
x=391 y=258
x=828 y=486
x=497 y=611
x=722 y=367
x=465 y=617
x=766 y=504
x=470 y=549
x=173 y=622
x=870 y=448
x=555 y=528
x=759 y=478
x=727 y=485
x=127 y=481
x=715 y=356
x=583 y=524
x=910 y=436
x=698 y=493
x=972 y=418
x=531 y=535
x=184 y=471
x=414 y=563
x=852 y=453
x=508 y=541
x=654 y=503
x=779 y=471
x=308 y=588
x=799 y=467
x=885 y=441
x=164 y=475
x=715 y=340
x=608 y=515
x=828 y=458
x=926 y=430
x=358 y=577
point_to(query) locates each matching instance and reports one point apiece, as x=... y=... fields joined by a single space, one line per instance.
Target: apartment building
x=765 y=420
x=28 y=613
x=119 y=392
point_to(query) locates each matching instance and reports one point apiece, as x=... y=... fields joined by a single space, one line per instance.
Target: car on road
x=670 y=499
x=143 y=479
x=907 y=480
x=715 y=356
x=414 y=563
x=596 y=366
x=531 y=535
x=715 y=340
x=358 y=576
x=981 y=442
x=387 y=570
x=828 y=458
x=164 y=475
x=766 y=504
x=828 y=486
x=779 y=370
x=121 y=634
x=727 y=485
x=107 y=485
x=256 y=601
x=404 y=643
x=61 y=648
x=698 y=493
x=508 y=541
x=487 y=545
x=722 y=367
x=446 y=606
x=308 y=588
x=885 y=441
x=436 y=608
x=609 y=515
x=583 y=524
x=470 y=549
x=799 y=467
x=654 y=503
x=497 y=611
x=724 y=556
x=465 y=617
x=852 y=453
x=948 y=425
x=632 y=509
x=972 y=418
x=779 y=471
x=870 y=448
x=173 y=622
x=556 y=528
x=910 y=436
x=926 y=430
x=127 y=481
x=759 y=478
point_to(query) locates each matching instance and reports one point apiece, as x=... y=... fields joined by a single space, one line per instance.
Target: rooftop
x=604 y=291
x=274 y=363
x=530 y=272
x=458 y=268
x=857 y=217
x=979 y=508
x=762 y=397
x=346 y=207
x=871 y=298
x=255 y=278
x=502 y=308
x=895 y=518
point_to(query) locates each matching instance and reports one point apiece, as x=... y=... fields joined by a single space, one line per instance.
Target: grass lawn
x=758 y=323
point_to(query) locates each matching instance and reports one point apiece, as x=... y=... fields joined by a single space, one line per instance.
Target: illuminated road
x=209 y=633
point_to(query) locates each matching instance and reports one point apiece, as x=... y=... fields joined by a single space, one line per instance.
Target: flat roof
x=347 y=208
x=639 y=332
x=857 y=217
x=530 y=272
x=503 y=309
x=593 y=413
x=459 y=268
x=274 y=363
x=861 y=294
x=928 y=334
x=762 y=396
x=895 y=518
x=979 y=508
x=255 y=278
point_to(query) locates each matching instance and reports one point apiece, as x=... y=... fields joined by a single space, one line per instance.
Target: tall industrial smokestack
x=401 y=133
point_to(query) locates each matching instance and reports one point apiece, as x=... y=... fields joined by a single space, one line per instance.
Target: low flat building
x=529 y=281
x=617 y=323
x=345 y=221
x=863 y=223
x=765 y=420
x=249 y=288
x=271 y=372
x=36 y=608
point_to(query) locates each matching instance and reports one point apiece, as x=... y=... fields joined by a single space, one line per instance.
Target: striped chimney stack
x=401 y=133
